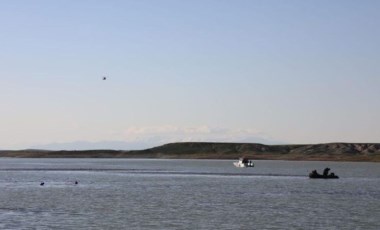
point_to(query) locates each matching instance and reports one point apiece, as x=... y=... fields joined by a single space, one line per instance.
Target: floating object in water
x=315 y=175
x=42 y=183
x=244 y=163
x=76 y=182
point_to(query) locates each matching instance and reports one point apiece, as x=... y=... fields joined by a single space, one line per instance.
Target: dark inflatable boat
x=315 y=175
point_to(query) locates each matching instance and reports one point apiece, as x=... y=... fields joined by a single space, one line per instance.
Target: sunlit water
x=186 y=194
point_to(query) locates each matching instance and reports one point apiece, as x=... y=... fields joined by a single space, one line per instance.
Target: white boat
x=244 y=163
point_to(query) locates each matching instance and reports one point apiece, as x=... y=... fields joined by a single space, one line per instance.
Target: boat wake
x=153 y=172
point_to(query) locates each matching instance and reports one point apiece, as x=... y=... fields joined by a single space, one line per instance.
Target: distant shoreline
x=354 y=152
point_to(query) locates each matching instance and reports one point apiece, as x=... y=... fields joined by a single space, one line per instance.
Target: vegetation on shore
x=369 y=152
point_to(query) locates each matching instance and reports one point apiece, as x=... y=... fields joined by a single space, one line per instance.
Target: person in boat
x=326 y=171
x=315 y=174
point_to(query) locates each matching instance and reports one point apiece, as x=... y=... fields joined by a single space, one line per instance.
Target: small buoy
x=76 y=182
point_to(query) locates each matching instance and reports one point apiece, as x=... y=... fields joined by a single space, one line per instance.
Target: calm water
x=186 y=194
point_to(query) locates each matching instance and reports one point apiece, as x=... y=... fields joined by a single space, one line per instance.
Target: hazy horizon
x=294 y=72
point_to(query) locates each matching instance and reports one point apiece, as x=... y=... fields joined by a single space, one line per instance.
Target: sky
x=269 y=71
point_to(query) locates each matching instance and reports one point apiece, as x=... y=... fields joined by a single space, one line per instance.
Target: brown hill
x=210 y=150
x=330 y=151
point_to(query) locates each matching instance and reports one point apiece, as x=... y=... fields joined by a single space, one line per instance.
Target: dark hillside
x=212 y=150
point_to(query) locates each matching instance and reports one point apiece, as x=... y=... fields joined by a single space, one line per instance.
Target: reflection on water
x=185 y=194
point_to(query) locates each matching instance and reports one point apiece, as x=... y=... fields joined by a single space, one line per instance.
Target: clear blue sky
x=202 y=70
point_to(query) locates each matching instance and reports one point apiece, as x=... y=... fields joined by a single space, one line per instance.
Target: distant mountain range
x=213 y=150
x=85 y=145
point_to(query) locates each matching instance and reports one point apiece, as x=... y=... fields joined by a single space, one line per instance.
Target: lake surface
x=186 y=194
